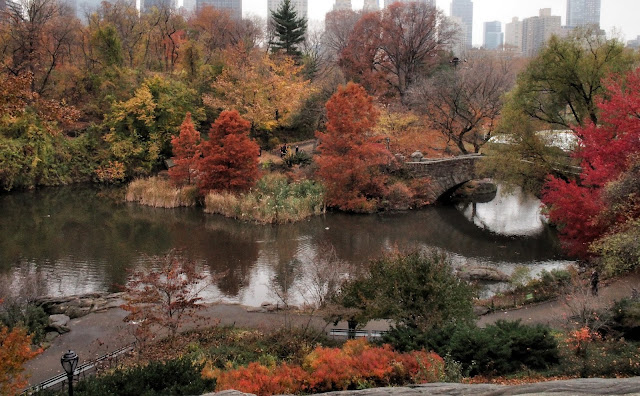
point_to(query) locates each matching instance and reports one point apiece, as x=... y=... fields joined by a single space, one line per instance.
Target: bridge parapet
x=444 y=173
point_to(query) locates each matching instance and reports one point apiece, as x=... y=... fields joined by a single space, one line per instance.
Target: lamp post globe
x=69 y=363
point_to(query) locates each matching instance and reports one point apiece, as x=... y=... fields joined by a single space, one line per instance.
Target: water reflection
x=81 y=241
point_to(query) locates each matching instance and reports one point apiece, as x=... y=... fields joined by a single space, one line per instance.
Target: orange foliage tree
x=186 y=152
x=15 y=350
x=350 y=157
x=229 y=158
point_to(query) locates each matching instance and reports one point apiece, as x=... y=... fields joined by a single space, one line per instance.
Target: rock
x=482 y=273
x=78 y=312
x=417 y=156
x=255 y=309
x=479 y=310
x=59 y=319
x=59 y=329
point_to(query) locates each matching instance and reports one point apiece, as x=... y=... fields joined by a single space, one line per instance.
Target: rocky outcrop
x=582 y=386
x=78 y=306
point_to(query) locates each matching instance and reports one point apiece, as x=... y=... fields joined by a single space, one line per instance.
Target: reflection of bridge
x=445 y=174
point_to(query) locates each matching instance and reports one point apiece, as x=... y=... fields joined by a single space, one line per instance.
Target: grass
x=160 y=193
x=274 y=200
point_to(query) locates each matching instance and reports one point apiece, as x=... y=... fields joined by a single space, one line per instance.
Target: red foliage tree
x=395 y=45
x=350 y=157
x=162 y=296
x=605 y=153
x=186 y=153
x=230 y=158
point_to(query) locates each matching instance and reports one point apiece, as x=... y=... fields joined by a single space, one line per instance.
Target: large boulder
x=482 y=274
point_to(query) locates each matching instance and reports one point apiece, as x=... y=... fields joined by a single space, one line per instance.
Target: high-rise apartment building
x=387 y=3
x=537 y=30
x=147 y=5
x=371 y=5
x=463 y=10
x=493 y=36
x=513 y=36
x=234 y=7
x=583 y=13
x=342 y=5
x=301 y=7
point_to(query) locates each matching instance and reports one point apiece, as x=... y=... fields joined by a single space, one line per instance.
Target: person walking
x=595 y=279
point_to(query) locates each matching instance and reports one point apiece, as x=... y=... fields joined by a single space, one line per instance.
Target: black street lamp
x=69 y=363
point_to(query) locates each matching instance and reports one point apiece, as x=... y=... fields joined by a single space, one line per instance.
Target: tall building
x=387 y=3
x=463 y=9
x=371 y=5
x=513 y=36
x=493 y=36
x=234 y=7
x=583 y=13
x=342 y=5
x=301 y=7
x=537 y=30
x=147 y=5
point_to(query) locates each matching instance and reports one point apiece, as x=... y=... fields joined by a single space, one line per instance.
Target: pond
x=76 y=240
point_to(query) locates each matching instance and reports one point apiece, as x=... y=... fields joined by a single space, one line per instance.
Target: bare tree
x=464 y=103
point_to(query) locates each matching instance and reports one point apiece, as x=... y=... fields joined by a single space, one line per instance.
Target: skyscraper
x=583 y=13
x=463 y=9
x=493 y=36
x=234 y=7
x=371 y=5
x=342 y=5
x=301 y=7
x=513 y=36
x=387 y=3
x=537 y=30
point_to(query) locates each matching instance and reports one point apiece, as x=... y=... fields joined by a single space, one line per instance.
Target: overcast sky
x=621 y=15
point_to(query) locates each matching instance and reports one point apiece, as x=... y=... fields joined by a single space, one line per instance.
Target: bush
x=173 y=377
x=274 y=200
x=28 y=316
x=357 y=365
x=499 y=349
x=625 y=320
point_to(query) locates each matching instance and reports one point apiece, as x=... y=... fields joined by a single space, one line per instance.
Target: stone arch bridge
x=446 y=174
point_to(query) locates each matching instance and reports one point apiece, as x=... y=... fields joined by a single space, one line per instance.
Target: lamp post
x=69 y=363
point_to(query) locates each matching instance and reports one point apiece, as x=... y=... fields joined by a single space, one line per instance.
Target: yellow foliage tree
x=264 y=89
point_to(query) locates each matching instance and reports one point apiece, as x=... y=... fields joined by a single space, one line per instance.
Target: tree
x=464 y=104
x=163 y=295
x=289 y=29
x=15 y=350
x=607 y=151
x=563 y=84
x=264 y=90
x=229 y=158
x=350 y=157
x=396 y=45
x=415 y=290
x=186 y=153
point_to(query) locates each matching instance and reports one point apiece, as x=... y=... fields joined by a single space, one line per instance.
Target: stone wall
x=444 y=174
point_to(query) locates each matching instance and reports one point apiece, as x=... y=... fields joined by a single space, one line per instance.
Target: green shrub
x=626 y=319
x=29 y=316
x=499 y=349
x=173 y=377
x=601 y=358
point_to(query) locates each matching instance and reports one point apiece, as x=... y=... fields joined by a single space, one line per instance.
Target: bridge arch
x=444 y=174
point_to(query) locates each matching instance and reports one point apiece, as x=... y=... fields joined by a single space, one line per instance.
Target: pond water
x=75 y=240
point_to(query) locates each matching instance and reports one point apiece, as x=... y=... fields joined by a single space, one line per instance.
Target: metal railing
x=346 y=333
x=88 y=368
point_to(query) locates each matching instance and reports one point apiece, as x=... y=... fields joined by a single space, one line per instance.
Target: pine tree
x=288 y=28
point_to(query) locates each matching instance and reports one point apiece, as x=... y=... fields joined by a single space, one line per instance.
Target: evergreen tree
x=289 y=30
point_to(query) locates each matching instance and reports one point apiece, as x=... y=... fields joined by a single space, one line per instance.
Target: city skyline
x=618 y=14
